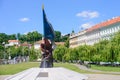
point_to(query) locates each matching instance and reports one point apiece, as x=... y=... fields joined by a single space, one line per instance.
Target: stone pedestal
x=47 y=74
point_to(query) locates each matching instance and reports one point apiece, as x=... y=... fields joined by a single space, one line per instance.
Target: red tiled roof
x=13 y=40
x=104 y=24
x=26 y=44
x=38 y=42
x=59 y=43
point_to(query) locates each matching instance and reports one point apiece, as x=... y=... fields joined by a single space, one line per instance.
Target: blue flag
x=48 y=29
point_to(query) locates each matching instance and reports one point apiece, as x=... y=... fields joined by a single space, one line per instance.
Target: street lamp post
x=4 y=53
x=9 y=55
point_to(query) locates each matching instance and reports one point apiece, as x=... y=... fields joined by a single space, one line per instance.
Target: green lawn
x=15 y=68
x=106 y=68
x=71 y=67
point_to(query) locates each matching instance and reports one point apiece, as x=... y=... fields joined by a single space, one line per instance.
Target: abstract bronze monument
x=47 y=57
x=47 y=43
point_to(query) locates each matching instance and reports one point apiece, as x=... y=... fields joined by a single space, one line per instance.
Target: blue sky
x=22 y=16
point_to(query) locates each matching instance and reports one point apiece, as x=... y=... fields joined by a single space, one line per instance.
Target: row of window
x=107 y=31
x=110 y=30
x=94 y=37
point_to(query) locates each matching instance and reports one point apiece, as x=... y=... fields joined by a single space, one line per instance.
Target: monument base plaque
x=43 y=74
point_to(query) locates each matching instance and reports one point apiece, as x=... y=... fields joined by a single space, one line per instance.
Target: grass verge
x=106 y=68
x=15 y=68
x=71 y=67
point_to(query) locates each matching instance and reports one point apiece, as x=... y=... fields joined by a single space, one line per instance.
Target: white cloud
x=88 y=14
x=29 y=31
x=24 y=19
x=25 y=33
x=86 y=25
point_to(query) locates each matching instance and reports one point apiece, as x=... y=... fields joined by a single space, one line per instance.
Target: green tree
x=1 y=51
x=74 y=55
x=34 y=54
x=13 y=52
x=84 y=53
x=67 y=55
x=18 y=35
x=67 y=43
x=57 y=36
x=30 y=37
x=12 y=37
x=115 y=47
x=3 y=38
x=23 y=38
x=59 y=53
x=64 y=38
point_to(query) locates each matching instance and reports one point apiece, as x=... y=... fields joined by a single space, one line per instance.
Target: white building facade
x=92 y=37
x=101 y=31
x=13 y=42
x=108 y=31
x=37 y=44
x=73 y=40
x=82 y=38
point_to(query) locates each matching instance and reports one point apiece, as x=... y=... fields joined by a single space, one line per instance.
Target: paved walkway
x=47 y=74
x=102 y=77
x=90 y=77
x=108 y=76
x=2 y=77
x=82 y=67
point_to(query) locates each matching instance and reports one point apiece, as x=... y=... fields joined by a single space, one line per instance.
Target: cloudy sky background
x=22 y=16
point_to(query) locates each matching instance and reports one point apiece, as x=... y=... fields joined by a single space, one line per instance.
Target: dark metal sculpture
x=47 y=57
x=48 y=41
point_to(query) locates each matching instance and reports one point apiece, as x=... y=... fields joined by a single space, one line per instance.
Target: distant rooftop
x=26 y=44
x=59 y=43
x=105 y=23
x=13 y=40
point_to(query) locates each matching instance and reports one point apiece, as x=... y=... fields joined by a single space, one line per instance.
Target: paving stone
x=47 y=74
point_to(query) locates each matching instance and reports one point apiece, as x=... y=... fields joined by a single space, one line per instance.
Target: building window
x=115 y=29
x=110 y=30
x=118 y=27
